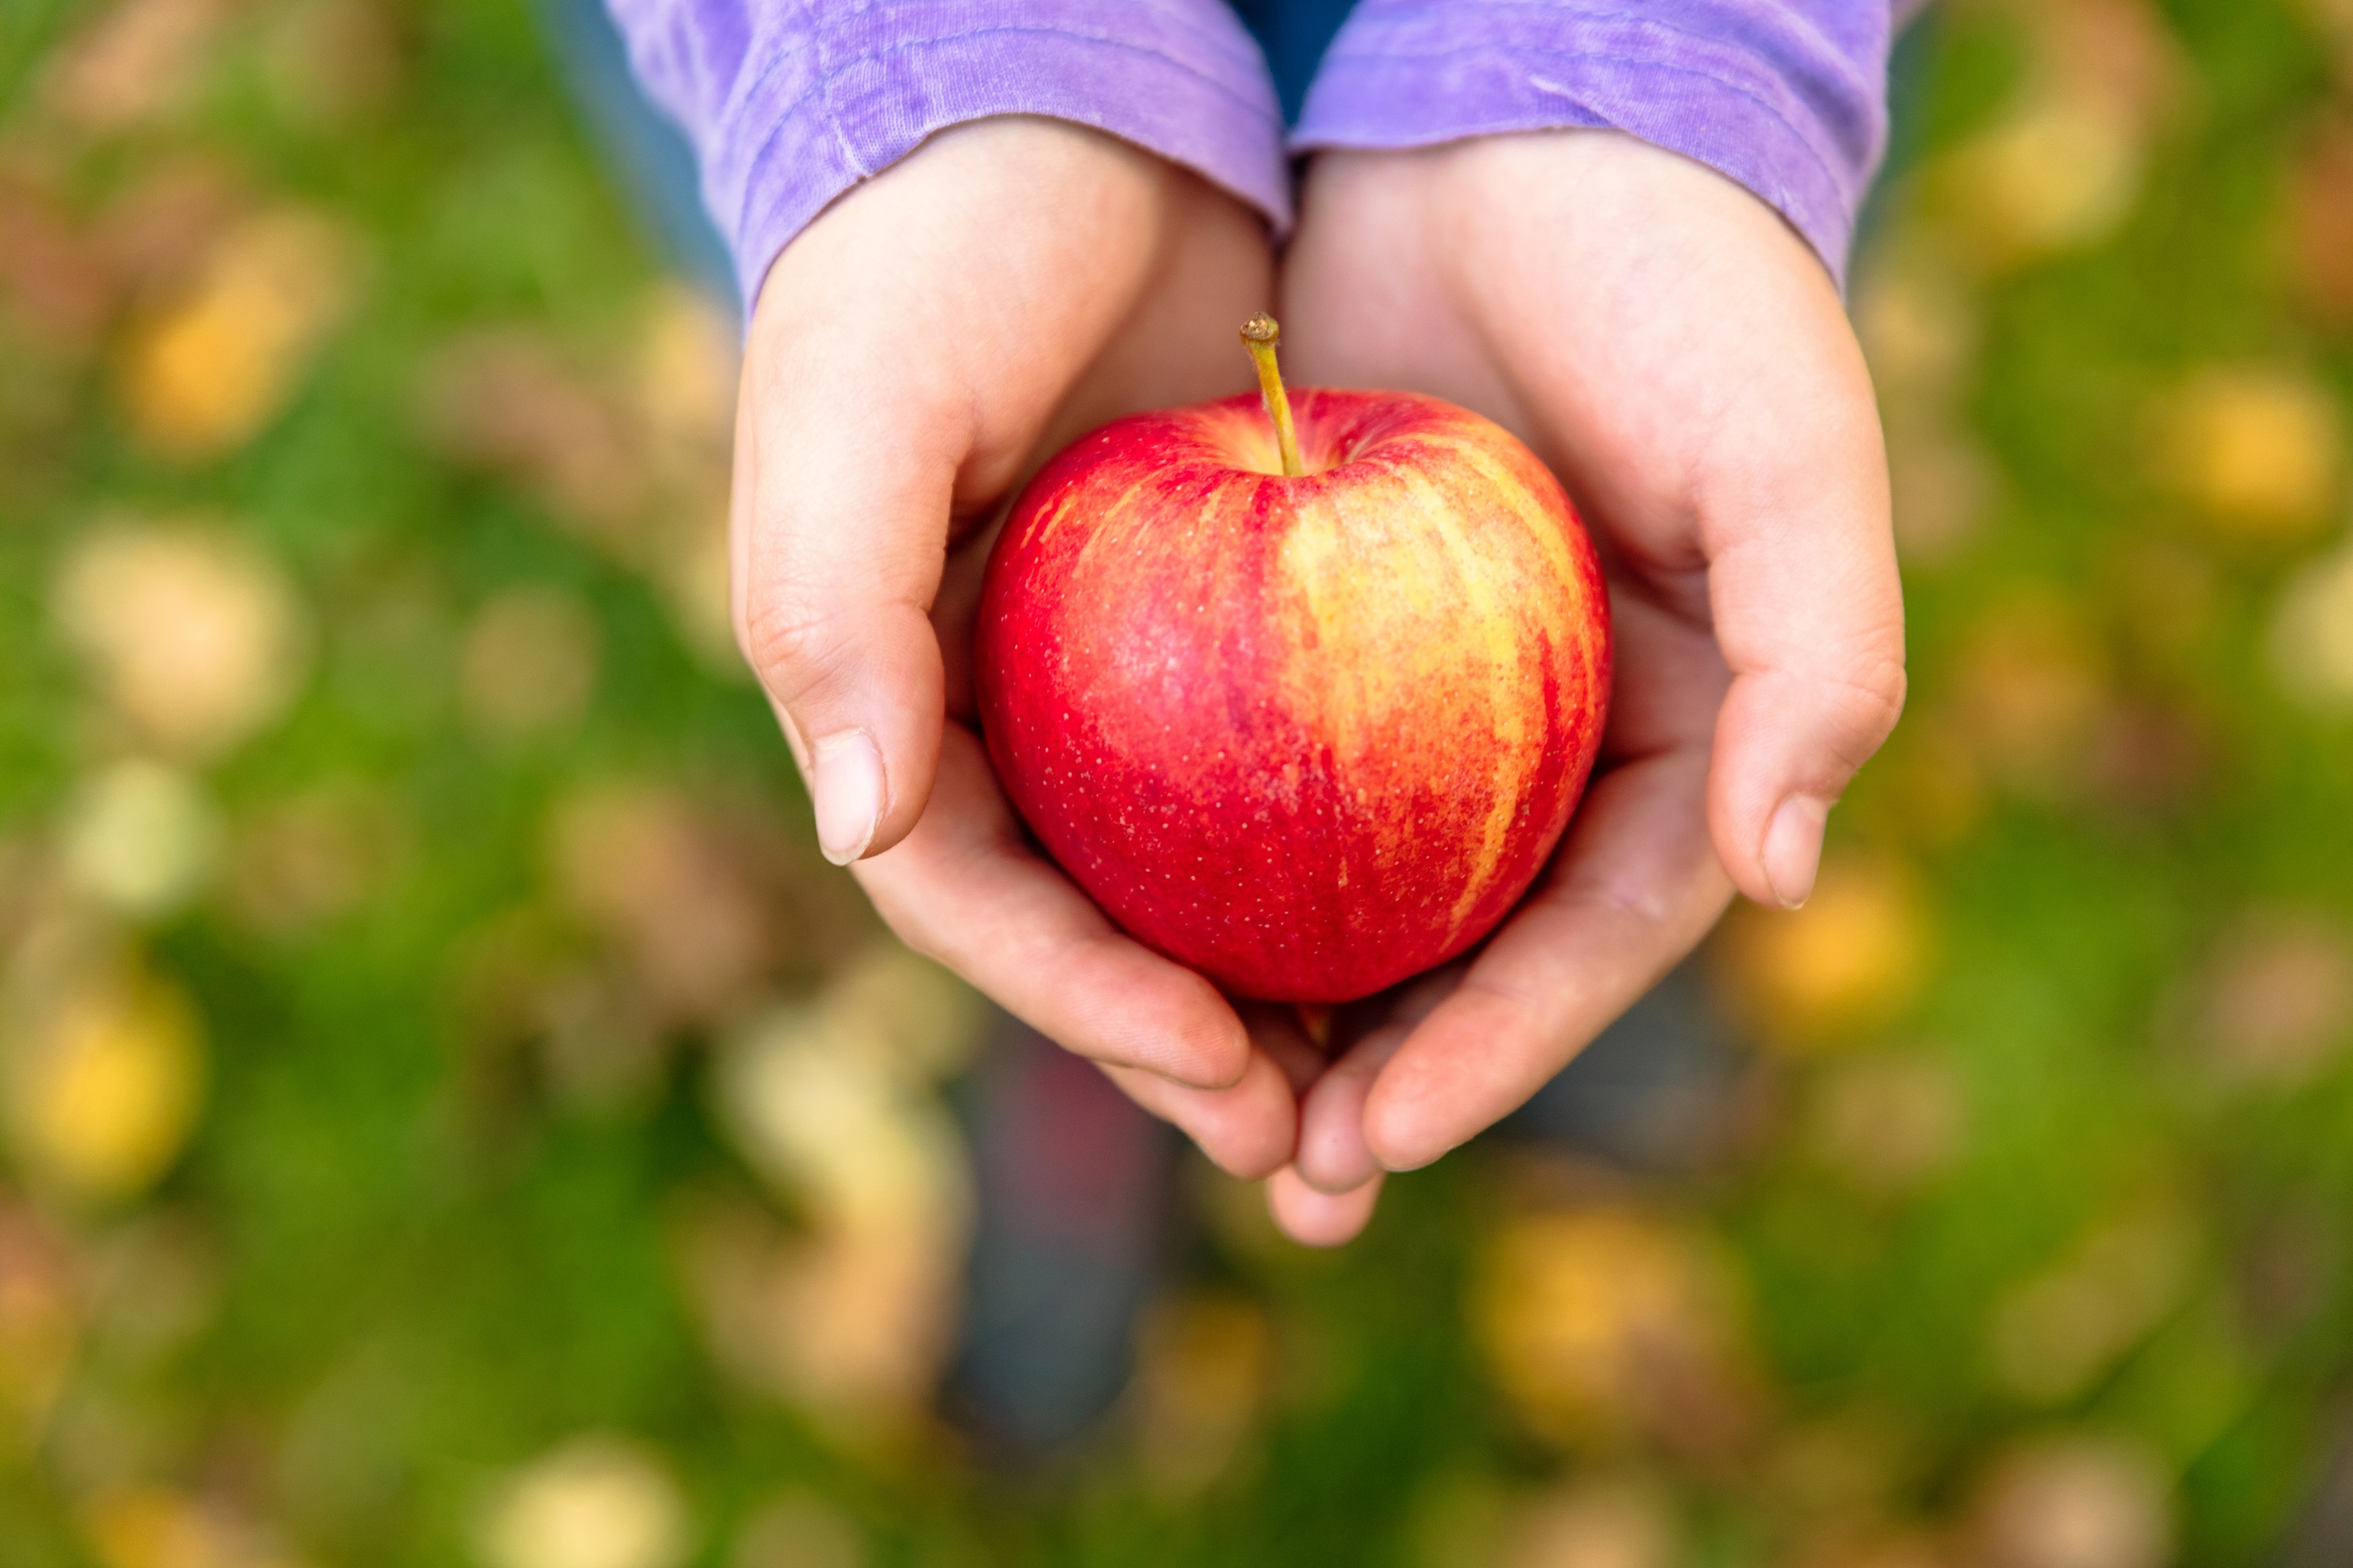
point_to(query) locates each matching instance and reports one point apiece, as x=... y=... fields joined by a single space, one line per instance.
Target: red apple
x=1307 y=715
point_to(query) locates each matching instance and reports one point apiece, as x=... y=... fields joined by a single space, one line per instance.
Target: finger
x=1275 y=1030
x=965 y=889
x=840 y=532
x=1247 y=1129
x=1635 y=888
x=899 y=373
x=1314 y=1218
x=1809 y=611
x=1332 y=1156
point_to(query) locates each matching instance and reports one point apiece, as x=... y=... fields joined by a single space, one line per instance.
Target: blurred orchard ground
x=453 y=1115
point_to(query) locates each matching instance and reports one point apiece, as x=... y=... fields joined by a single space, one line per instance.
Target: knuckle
x=788 y=644
x=1875 y=693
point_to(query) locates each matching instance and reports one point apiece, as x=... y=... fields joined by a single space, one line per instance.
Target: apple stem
x=1260 y=334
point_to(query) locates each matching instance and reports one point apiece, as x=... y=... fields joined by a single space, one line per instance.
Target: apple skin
x=1308 y=736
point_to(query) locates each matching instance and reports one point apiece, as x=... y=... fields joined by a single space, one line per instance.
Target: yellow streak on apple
x=1431 y=618
x=1521 y=504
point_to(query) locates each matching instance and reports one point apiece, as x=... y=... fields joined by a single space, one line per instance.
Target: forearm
x=1786 y=97
x=790 y=104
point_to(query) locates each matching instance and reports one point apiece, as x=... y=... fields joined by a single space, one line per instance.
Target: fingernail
x=1793 y=848
x=846 y=785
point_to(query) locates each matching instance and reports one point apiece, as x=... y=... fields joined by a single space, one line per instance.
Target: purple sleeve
x=1788 y=97
x=790 y=103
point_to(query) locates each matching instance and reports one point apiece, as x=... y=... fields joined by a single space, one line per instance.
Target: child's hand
x=1680 y=358
x=915 y=352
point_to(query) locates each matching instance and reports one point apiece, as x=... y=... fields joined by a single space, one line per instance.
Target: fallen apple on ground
x=1303 y=707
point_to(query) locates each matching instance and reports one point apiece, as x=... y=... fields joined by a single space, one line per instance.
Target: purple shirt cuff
x=789 y=105
x=1786 y=97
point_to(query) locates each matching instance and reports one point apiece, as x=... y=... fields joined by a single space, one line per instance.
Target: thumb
x=1810 y=614
x=840 y=533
